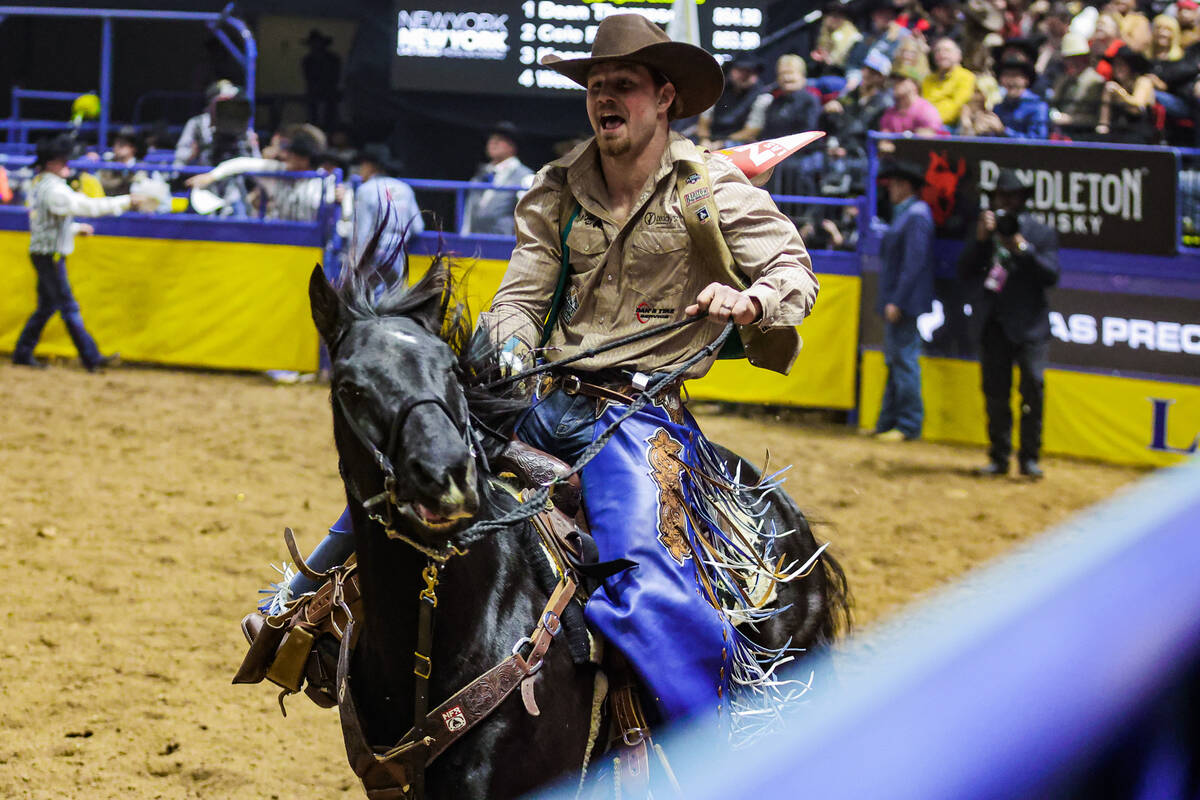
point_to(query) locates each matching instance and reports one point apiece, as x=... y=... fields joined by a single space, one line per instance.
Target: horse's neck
x=484 y=606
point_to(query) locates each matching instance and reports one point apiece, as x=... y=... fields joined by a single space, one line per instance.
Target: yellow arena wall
x=1115 y=419
x=221 y=305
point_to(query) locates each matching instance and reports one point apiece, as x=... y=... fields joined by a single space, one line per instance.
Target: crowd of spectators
x=1122 y=71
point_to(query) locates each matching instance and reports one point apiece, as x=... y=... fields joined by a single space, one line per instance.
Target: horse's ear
x=430 y=314
x=328 y=310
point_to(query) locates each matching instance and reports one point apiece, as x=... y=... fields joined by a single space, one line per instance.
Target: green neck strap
x=561 y=289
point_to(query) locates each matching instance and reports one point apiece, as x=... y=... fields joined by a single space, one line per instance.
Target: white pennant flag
x=685 y=22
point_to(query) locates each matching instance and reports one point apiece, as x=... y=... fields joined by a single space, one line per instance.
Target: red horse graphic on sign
x=941 y=185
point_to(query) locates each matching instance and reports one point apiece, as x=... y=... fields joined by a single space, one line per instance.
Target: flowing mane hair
x=377 y=287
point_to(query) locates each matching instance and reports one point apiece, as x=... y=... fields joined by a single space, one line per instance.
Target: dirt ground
x=139 y=510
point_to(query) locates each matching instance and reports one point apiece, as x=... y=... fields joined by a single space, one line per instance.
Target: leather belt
x=616 y=391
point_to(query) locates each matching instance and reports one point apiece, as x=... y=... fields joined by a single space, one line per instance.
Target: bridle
x=381 y=506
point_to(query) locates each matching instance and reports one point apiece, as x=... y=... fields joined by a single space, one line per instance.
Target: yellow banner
x=223 y=305
x=823 y=376
x=1121 y=420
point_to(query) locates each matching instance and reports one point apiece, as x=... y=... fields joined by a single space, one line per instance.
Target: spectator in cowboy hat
x=1076 y=107
x=491 y=210
x=906 y=270
x=1016 y=258
x=383 y=203
x=1024 y=114
x=726 y=121
x=1127 y=100
x=322 y=70
x=836 y=37
x=883 y=36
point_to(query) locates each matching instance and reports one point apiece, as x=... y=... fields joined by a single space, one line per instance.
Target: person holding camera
x=1016 y=256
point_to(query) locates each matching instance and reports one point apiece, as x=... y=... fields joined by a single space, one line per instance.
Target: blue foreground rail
x=1068 y=670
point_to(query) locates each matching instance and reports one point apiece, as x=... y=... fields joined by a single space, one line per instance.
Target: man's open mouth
x=611 y=122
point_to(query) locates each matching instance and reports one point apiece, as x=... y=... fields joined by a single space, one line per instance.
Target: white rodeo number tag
x=454 y=719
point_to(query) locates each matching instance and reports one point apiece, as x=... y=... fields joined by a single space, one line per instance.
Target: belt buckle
x=571 y=384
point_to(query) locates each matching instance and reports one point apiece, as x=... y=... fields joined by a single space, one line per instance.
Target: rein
x=537 y=500
x=595 y=351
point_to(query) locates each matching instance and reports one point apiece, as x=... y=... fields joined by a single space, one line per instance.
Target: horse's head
x=401 y=419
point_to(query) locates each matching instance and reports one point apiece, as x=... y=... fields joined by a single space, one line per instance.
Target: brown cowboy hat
x=631 y=37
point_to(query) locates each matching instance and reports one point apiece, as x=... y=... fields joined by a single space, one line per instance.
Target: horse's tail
x=837 y=616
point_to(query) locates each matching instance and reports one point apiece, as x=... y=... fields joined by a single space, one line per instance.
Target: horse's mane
x=376 y=287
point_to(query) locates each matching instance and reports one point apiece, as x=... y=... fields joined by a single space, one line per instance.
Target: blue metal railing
x=246 y=55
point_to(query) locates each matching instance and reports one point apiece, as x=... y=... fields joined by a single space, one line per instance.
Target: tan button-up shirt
x=626 y=276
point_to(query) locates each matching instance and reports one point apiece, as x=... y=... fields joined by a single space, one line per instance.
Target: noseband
x=383 y=460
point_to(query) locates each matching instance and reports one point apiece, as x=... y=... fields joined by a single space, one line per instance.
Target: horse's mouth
x=434 y=520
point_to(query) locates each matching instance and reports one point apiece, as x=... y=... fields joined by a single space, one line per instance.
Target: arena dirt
x=139 y=510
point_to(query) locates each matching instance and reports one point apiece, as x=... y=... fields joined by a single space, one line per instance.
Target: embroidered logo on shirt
x=702 y=215
x=646 y=312
x=697 y=196
x=570 y=306
x=657 y=220
x=693 y=178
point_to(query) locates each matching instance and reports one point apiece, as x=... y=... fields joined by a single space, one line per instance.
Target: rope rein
x=595 y=351
x=537 y=501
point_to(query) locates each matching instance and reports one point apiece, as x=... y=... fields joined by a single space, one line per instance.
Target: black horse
x=406 y=378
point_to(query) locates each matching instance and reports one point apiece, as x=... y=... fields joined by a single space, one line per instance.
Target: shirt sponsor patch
x=697 y=196
x=656 y=219
x=702 y=215
x=693 y=178
x=646 y=312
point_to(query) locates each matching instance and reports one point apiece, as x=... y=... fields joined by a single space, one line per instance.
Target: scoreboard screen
x=494 y=46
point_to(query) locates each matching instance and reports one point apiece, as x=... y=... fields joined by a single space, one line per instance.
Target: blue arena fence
x=1070 y=669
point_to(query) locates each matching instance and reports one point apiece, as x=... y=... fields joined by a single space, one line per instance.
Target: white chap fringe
x=740 y=569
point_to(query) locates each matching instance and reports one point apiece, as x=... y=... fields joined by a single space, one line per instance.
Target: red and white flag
x=757 y=159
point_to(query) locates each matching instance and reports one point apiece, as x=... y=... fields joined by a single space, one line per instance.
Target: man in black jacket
x=1017 y=258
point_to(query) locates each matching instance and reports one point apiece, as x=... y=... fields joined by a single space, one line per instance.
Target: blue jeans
x=902 y=407
x=54 y=296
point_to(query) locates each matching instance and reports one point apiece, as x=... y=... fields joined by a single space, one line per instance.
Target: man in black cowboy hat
x=641 y=225
x=491 y=210
x=383 y=200
x=322 y=75
x=1024 y=114
x=1017 y=258
x=52 y=230
x=905 y=292
x=724 y=121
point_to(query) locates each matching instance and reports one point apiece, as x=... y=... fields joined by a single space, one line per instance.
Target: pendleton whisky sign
x=1117 y=199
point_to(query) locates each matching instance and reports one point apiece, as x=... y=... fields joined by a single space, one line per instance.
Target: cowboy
x=491 y=210
x=638 y=222
x=52 y=230
x=383 y=199
x=905 y=292
x=1017 y=258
